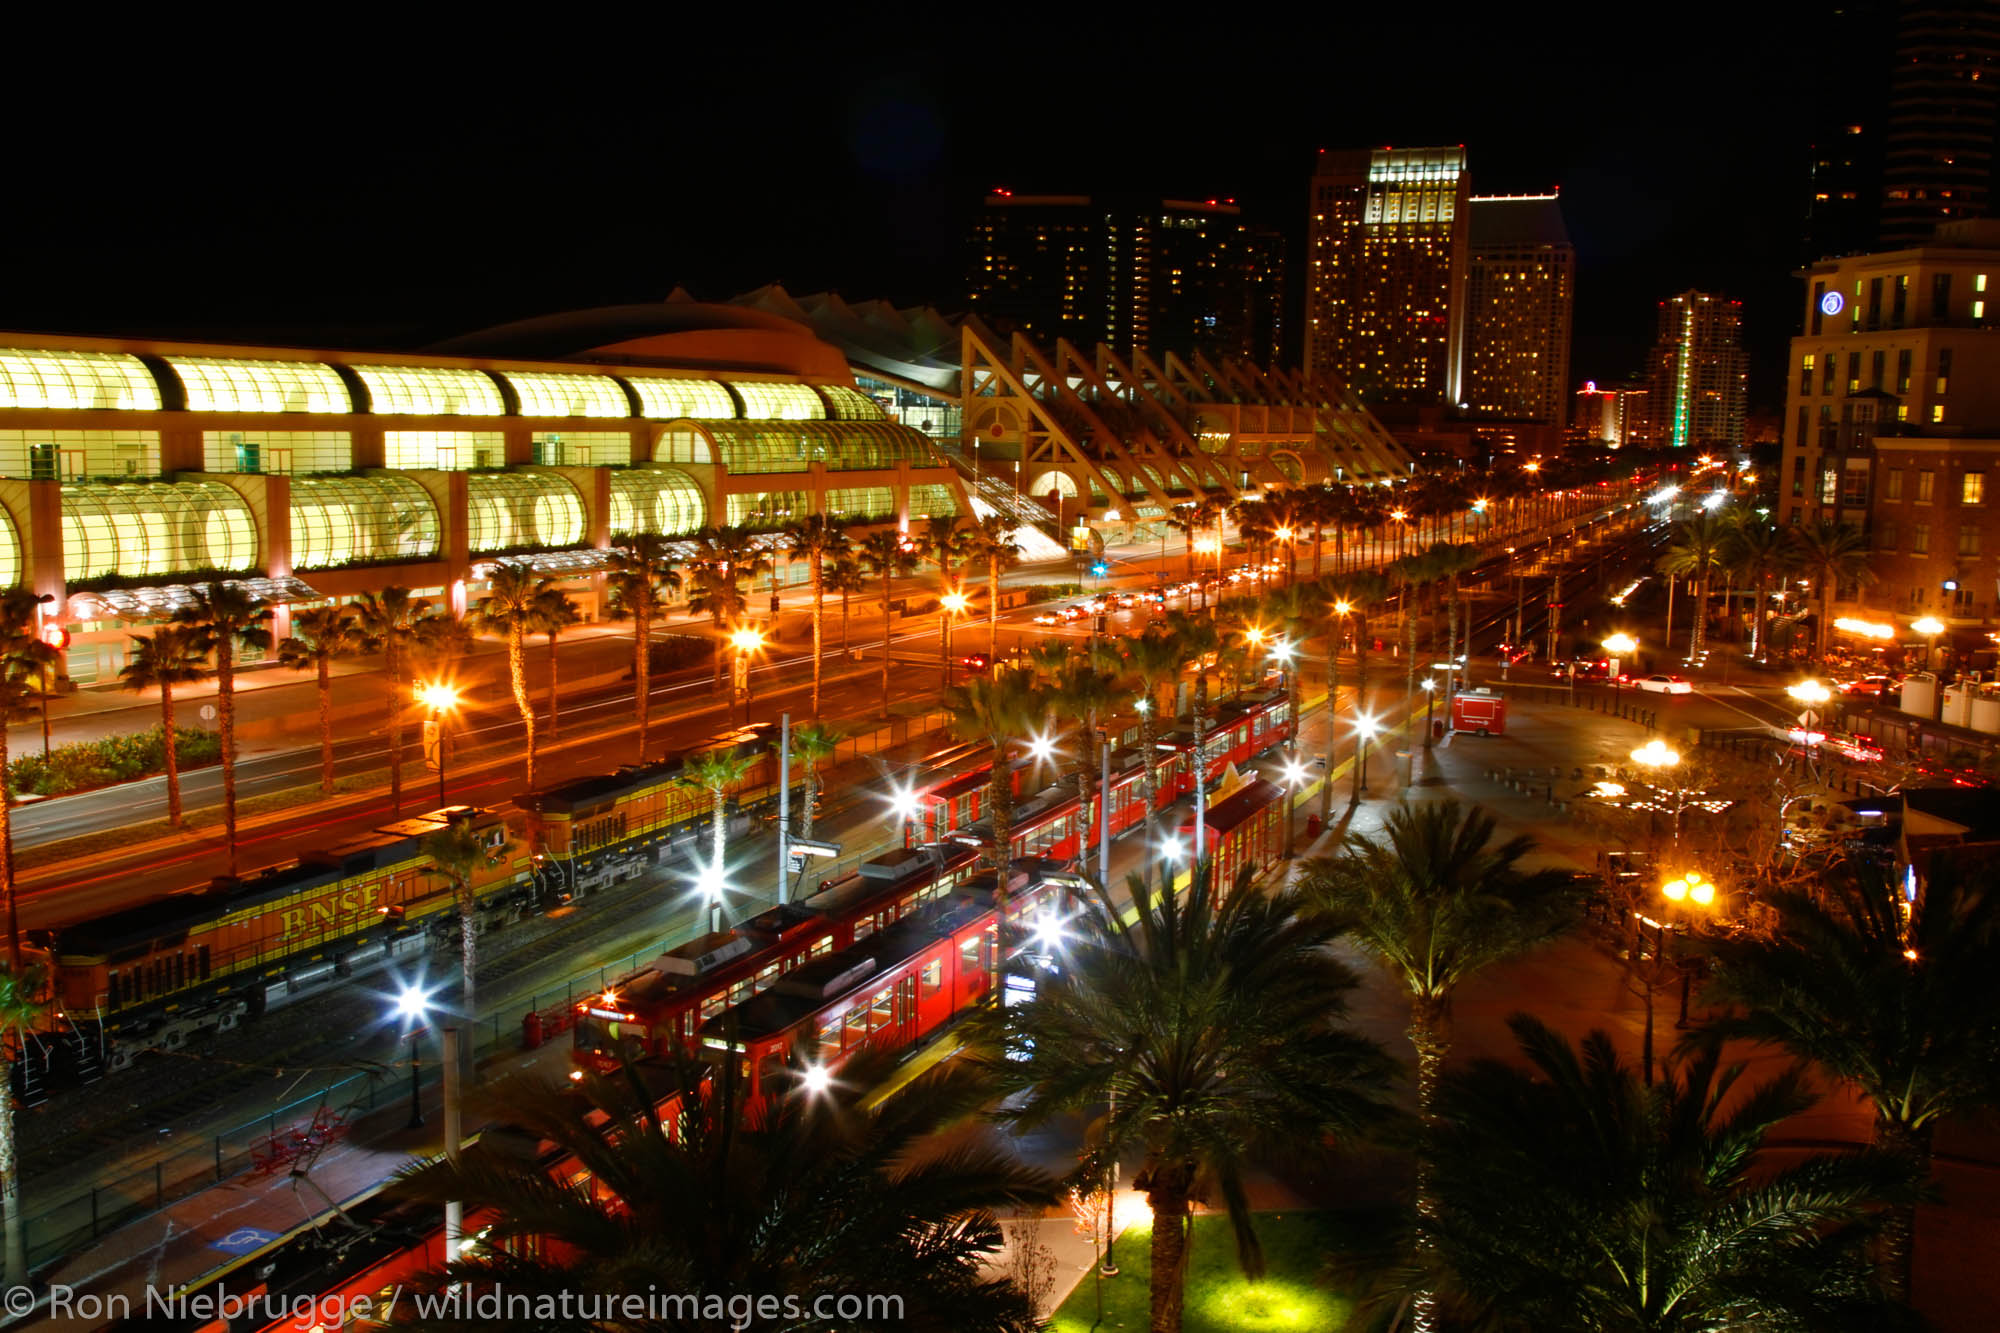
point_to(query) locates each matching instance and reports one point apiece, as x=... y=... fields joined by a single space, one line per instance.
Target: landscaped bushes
x=114 y=759
x=1049 y=592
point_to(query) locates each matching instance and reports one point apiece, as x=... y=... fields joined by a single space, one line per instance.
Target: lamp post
x=1657 y=757
x=1691 y=889
x=1401 y=516
x=1364 y=730
x=949 y=607
x=411 y=1005
x=442 y=700
x=746 y=641
x=1430 y=706
x=1618 y=647
x=1930 y=627
x=1811 y=696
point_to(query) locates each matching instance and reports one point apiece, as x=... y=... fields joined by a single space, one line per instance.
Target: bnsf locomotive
x=155 y=975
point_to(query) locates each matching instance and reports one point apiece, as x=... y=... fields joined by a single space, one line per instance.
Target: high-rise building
x=1385 y=299
x=1170 y=274
x=1520 y=296
x=1943 y=114
x=1617 y=415
x=1698 y=373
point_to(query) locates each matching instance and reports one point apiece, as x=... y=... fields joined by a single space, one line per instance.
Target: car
x=1072 y=613
x=1664 y=685
x=1586 y=669
x=1870 y=687
x=1097 y=606
x=1514 y=653
x=1125 y=600
x=1048 y=618
x=975 y=661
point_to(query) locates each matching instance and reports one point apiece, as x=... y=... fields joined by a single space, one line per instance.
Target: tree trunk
x=812 y=797
x=325 y=738
x=517 y=675
x=1318 y=534
x=885 y=644
x=1897 y=1245
x=1699 y=633
x=173 y=750
x=10 y=1179
x=1332 y=720
x=719 y=836
x=225 y=695
x=1000 y=809
x=392 y=664
x=843 y=622
x=819 y=619
x=1761 y=626
x=552 y=684
x=468 y=937
x=992 y=610
x=1430 y=1036
x=13 y=906
x=1167 y=1193
x=642 y=662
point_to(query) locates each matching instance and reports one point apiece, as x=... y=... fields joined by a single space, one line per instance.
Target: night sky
x=318 y=190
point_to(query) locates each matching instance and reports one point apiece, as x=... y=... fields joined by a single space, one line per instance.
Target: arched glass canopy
x=342 y=520
x=509 y=509
x=662 y=500
x=157 y=527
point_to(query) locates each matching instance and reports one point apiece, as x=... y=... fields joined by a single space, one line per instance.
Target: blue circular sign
x=1831 y=303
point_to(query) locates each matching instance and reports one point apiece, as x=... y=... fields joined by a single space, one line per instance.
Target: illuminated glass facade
x=926 y=500
x=216 y=384
x=856 y=503
x=10 y=551
x=355 y=520
x=850 y=404
x=568 y=395
x=662 y=500
x=276 y=451
x=582 y=448
x=155 y=528
x=750 y=447
x=509 y=509
x=75 y=455
x=33 y=377
x=682 y=444
x=774 y=509
x=427 y=391
x=665 y=400
x=445 y=450
x=763 y=401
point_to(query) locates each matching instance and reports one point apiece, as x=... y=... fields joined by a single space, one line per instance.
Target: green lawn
x=1219 y=1298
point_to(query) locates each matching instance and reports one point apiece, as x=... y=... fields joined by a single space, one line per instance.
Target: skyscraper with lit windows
x=1387 y=241
x=1173 y=275
x=1520 y=297
x=1699 y=376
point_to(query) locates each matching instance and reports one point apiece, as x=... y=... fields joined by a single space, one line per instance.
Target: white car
x=1664 y=685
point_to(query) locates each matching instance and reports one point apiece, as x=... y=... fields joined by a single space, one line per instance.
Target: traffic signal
x=1100 y=569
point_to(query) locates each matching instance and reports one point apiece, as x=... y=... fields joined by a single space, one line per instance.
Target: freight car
x=596 y=831
x=157 y=974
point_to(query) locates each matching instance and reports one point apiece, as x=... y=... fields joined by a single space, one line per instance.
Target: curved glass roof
x=547 y=395
x=663 y=500
x=430 y=391
x=767 y=401
x=749 y=447
x=160 y=527
x=665 y=399
x=33 y=377
x=774 y=509
x=850 y=404
x=10 y=552
x=217 y=384
x=508 y=509
x=357 y=520
x=930 y=499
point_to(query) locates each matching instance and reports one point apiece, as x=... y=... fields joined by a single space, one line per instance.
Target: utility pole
x=785 y=799
x=1555 y=610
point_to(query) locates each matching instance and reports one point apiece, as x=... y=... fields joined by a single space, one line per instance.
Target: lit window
x=1937 y=412
x=505 y=510
x=445 y=450
x=568 y=395
x=31 y=377
x=1973 y=489
x=431 y=391
x=341 y=520
x=764 y=401
x=215 y=384
x=161 y=528
x=663 y=500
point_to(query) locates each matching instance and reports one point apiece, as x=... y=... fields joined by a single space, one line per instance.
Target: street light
x=1689 y=889
x=746 y=641
x=442 y=700
x=1618 y=646
x=1430 y=706
x=949 y=607
x=1930 y=627
x=1364 y=730
x=412 y=1003
x=1657 y=757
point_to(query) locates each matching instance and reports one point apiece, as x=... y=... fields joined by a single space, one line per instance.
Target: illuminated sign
x=1831 y=303
x=1867 y=629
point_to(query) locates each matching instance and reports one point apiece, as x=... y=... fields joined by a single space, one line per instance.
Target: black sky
x=311 y=189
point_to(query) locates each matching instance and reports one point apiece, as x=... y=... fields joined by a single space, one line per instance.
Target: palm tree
x=712 y=771
x=172 y=655
x=812 y=745
x=1345 y=595
x=1572 y=1195
x=1412 y=572
x=817 y=539
x=640 y=576
x=389 y=621
x=24 y=994
x=1696 y=553
x=1085 y=693
x=809 y=1193
x=225 y=617
x=554 y=612
x=1834 y=553
x=1882 y=994
x=1001 y=709
x=320 y=635
x=1211 y=1029
x=1200 y=642
x=459 y=852
x=25 y=661
x=993 y=545
x=947 y=545
x=511 y=609
x=843 y=574
x=1757 y=552
x=885 y=553
x=1435 y=901
x=1153 y=661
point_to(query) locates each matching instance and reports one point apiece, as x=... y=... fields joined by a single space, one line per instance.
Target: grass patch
x=1219 y=1298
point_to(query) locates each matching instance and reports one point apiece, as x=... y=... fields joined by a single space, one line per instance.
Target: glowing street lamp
x=1930 y=627
x=950 y=607
x=1430 y=706
x=412 y=1004
x=441 y=699
x=1365 y=728
x=1689 y=890
x=1657 y=757
x=746 y=641
x=1618 y=647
